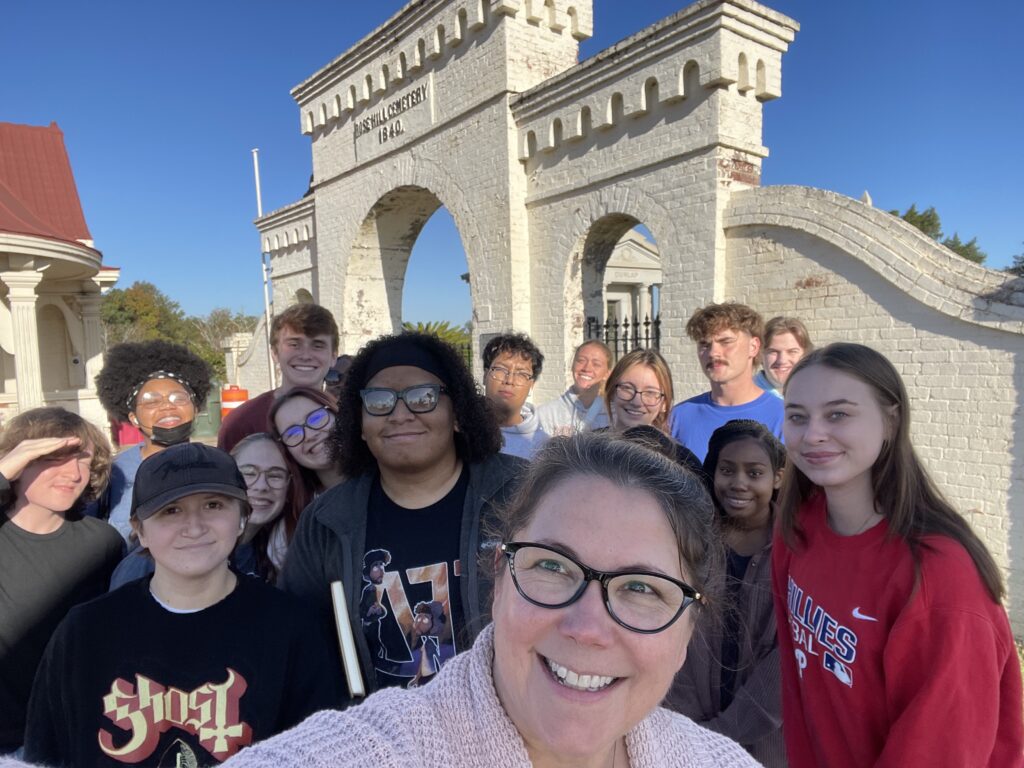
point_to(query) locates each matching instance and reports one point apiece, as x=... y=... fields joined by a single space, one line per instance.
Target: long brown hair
x=903 y=491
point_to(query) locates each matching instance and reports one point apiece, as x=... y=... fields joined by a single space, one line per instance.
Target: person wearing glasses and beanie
x=420 y=450
x=189 y=665
x=593 y=611
x=157 y=387
x=512 y=364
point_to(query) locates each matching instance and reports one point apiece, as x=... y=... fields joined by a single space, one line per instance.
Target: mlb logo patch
x=842 y=672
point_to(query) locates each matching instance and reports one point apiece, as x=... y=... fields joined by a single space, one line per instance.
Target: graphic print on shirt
x=817 y=634
x=406 y=618
x=147 y=710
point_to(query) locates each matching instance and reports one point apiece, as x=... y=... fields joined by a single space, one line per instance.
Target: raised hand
x=27 y=451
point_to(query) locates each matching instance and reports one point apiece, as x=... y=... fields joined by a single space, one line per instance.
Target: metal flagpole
x=265 y=265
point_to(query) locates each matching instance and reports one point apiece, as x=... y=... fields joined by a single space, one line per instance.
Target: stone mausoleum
x=545 y=163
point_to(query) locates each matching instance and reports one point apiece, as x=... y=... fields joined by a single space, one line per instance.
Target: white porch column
x=93 y=352
x=645 y=302
x=22 y=296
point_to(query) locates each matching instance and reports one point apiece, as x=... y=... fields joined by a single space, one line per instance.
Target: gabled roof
x=37 y=189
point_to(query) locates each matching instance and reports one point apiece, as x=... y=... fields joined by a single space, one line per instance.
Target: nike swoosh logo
x=864 y=617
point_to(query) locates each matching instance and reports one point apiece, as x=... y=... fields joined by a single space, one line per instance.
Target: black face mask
x=172 y=435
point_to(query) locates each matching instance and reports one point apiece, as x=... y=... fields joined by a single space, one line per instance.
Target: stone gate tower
x=544 y=163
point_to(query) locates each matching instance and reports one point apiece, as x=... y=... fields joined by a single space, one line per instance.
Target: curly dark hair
x=130 y=364
x=514 y=343
x=478 y=435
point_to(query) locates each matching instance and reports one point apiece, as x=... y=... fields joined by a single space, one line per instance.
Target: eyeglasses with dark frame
x=649 y=397
x=276 y=477
x=316 y=421
x=501 y=374
x=420 y=398
x=641 y=601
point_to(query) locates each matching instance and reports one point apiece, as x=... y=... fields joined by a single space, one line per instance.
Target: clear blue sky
x=916 y=101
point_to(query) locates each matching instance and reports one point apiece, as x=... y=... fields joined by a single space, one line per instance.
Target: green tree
x=929 y=223
x=927 y=220
x=1017 y=267
x=140 y=312
x=968 y=250
x=457 y=336
x=204 y=335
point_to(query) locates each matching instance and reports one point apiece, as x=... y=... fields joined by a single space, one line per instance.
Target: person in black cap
x=158 y=387
x=189 y=665
x=421 y=450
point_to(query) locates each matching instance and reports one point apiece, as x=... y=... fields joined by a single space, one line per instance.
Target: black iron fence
x=625 y=335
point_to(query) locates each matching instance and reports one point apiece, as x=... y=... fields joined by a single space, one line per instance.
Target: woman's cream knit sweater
x=458 y=721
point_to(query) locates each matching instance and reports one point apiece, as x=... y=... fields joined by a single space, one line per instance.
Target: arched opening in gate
x=615 y=286
x=382 y=290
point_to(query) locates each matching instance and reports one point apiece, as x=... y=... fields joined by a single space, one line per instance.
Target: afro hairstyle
x=130 y=364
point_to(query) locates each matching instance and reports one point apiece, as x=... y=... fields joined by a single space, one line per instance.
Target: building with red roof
x=51 y=278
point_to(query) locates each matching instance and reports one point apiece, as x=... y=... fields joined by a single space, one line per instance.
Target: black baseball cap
x=181 y=470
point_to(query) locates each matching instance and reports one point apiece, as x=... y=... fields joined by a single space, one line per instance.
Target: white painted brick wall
x=963 y=368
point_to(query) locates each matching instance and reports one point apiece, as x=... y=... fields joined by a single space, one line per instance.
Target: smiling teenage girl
x=730 y=682
x=895 y=648
x=639 y=391
x=158 y=387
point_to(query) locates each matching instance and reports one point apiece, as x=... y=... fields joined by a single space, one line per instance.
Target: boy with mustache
x=728 y=338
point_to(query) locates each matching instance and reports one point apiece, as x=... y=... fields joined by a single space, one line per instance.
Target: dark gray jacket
x=754 y=717
x=330 y=542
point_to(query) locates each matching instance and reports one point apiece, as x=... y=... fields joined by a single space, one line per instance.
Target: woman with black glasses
x=420 y=450
x=639 y=391
x=301 y=419
x=592 y=615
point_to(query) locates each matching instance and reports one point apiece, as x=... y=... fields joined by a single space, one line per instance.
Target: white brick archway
x=480 y=105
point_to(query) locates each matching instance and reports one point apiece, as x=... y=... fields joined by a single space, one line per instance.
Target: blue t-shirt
x=115 y=504
x=694 y=420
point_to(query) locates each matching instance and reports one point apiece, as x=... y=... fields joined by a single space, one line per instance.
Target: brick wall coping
x=900 y=253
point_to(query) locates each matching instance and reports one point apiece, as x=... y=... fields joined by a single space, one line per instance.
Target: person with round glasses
x=592 y=614
x=275 y=502
x=639 y=391
x=302 y=419
x=157 y=387
x=420 y=450
x=512 y=363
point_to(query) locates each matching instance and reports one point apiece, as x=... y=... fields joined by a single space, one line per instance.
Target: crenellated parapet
x=372 y=80
x=734 y=46
x=288 y=227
